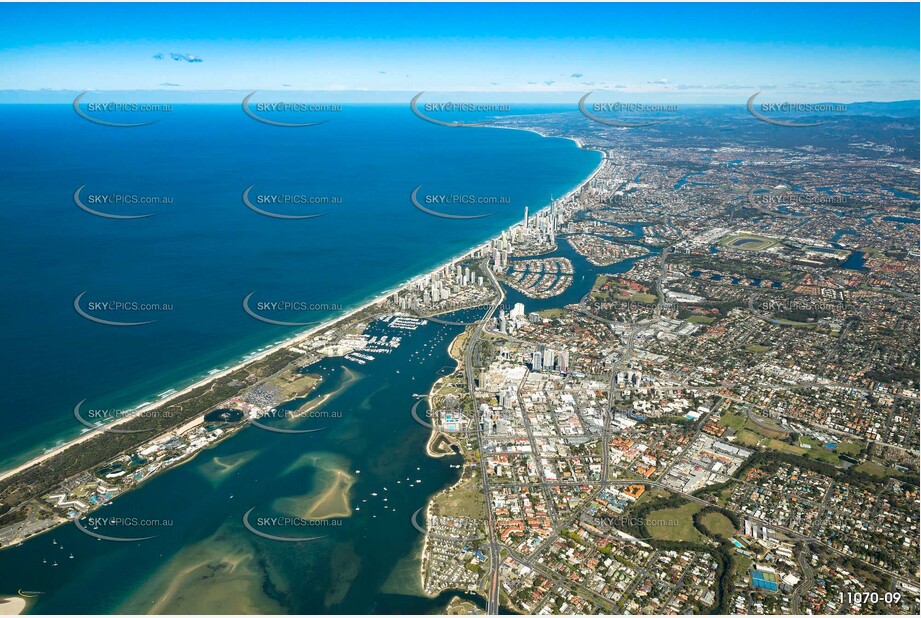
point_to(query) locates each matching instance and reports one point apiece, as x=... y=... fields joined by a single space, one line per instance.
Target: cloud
x=576 y=75
x=179 y=57
x=659 y=81
x=549 y=82
x=169 y=84
x=185 y=57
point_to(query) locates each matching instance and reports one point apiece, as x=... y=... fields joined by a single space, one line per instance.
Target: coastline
x=12 y=605
x=374 y=304
x=290 y=341
x=434 y=432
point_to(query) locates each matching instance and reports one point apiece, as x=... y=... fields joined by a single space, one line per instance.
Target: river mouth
x=355 y=485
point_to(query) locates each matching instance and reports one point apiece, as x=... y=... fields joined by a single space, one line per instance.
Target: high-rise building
x=548 y=358
x=537 y=361
x=564 y=361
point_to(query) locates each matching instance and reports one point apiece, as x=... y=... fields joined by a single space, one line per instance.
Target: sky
x=693 y=53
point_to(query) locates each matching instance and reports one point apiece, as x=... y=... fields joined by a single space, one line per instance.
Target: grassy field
x=874 y=469
x=718 y=524
x=551 y=314
x=600 y=280
x=753 y=436
x=653 y=493
x=701 y=319
x=723 y=496
x=843 y=448
x=764 y=428
x=743 y=563
x=749 y=437
x=757 y=349
x=295 y=384
x=749 y=433
x=747 y=242
x=675 y=524
x=460 y=342
x=462 y=500
x=849 y=448
x=795 y=324
x=639 y=297
x=460 y=607
x=739 y=421
x=733 y=421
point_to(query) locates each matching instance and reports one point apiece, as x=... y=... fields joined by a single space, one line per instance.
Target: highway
x=492 y=598
x=495 y=548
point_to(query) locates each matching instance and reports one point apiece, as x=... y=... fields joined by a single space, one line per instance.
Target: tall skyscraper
x=549 y=358
x=537 y=361
x=552 y=215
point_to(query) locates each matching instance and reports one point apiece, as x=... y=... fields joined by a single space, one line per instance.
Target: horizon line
x=56 y=96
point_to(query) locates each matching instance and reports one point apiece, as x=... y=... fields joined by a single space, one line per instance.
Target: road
x=492 y=598
x=808 y=580
x=630 y=336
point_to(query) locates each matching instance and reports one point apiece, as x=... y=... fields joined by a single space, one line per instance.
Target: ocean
x=204 y=250
x=203 y=558
x=196 y=260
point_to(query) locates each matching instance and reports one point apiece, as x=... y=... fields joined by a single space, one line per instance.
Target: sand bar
x=294 y=340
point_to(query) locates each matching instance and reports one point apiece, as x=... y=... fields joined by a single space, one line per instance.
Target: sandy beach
x=294 y=340
x=12 y=606
x=434 y=432
x=15 y=605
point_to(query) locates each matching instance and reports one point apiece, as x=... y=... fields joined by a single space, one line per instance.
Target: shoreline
x=12 y=605
x=434 y=432
x=290 y=341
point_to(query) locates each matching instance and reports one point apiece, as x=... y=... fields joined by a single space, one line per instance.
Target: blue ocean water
x=203 y=559
x=204 y=251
